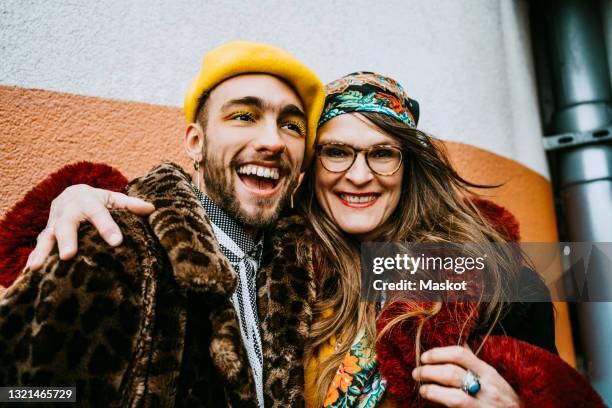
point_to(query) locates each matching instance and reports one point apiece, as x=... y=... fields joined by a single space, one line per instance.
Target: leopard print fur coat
x=150 y=323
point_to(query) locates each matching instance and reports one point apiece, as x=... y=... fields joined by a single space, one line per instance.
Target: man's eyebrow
x=260 y=104
x=253 y=101
x=292 y=110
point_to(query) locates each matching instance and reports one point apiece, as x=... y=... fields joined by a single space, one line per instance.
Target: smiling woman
x=355 y=197
x=377 y=178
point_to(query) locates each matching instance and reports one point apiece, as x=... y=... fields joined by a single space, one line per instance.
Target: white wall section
x=468 y=63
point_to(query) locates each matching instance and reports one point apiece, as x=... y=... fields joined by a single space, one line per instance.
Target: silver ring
x=51 y=229
x=470 y=384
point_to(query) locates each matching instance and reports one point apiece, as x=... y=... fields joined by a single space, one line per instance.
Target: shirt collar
x=232 y=228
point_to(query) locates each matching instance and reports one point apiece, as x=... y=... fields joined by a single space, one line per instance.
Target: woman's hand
x=74 y=205
x=443 y=371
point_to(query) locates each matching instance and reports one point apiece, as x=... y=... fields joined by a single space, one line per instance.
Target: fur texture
x=286 y=293
x=119 y=322
x=21 y=224
x=149 y=323
x=504 y=222
x=540 y=378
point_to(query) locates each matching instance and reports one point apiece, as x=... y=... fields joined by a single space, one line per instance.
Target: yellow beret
x=243 y=57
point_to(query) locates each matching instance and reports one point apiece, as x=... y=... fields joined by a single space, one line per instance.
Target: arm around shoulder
x=26 y=219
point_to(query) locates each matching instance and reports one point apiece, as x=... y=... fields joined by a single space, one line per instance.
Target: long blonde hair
x=432 y=208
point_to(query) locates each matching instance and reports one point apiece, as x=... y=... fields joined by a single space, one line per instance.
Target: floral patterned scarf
x=357 y=383
x=369 y=92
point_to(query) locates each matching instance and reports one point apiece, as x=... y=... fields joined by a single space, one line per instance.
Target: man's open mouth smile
x=260 y=179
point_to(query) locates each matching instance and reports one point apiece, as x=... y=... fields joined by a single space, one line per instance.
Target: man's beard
x=220 y=188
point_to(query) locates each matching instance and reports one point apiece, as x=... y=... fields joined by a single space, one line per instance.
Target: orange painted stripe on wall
x=41 y=131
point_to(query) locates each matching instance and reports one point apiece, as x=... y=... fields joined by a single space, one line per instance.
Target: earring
x=196 y=167
x=297 y=186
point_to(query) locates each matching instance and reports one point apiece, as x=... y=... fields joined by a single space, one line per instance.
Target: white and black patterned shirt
x=245 y=256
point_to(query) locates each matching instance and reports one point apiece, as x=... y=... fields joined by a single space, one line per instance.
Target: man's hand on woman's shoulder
x=74 y=205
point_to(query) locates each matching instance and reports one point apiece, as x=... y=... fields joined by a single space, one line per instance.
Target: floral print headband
x=369 y=92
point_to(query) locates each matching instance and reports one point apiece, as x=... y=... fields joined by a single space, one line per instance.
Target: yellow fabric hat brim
x=244 y=57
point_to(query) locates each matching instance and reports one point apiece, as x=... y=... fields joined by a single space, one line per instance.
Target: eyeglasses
x=383 y=160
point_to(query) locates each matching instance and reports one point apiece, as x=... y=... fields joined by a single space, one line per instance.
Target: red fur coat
x=540 y=378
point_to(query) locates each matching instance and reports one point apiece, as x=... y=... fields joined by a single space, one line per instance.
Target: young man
x=171 y=315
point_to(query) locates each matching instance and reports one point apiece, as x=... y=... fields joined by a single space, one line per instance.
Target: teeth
x=358 y=199
x=259 y=171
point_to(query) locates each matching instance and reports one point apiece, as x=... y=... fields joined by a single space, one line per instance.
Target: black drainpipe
x=576 y=106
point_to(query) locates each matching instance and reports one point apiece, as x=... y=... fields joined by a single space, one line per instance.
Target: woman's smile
x=357 y=199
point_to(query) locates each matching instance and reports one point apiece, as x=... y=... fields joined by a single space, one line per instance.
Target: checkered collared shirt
x=245 y=256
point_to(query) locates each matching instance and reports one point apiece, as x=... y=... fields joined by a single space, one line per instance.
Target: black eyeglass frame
x=356 y=151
